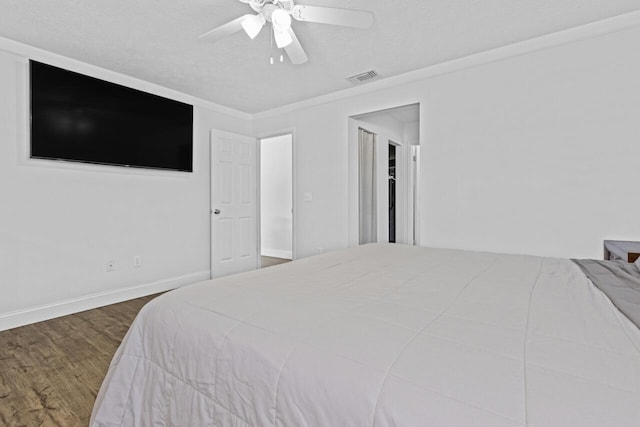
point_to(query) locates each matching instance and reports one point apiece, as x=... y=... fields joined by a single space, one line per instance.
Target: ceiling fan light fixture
x=281 y=20
x=280 y=14
x=253 y=24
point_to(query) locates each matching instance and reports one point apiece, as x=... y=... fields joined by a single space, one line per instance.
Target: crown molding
x=594 y=29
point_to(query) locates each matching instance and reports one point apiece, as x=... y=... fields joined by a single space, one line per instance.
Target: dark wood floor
x=268 y=261
x=50 y=372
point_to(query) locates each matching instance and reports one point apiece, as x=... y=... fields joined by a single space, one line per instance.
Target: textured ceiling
x=157 y=40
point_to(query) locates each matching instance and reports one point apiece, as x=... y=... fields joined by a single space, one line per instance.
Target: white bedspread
x=381 y=335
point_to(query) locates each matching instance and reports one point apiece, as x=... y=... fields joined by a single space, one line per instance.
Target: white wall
x=60 y=223
x=276 y=192
x=531 y=151
x=412 y=133
x=536 y=154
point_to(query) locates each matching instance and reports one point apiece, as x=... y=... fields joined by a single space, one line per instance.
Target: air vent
x=364 y=77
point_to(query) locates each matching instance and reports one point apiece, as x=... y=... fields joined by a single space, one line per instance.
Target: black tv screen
x=83 y=119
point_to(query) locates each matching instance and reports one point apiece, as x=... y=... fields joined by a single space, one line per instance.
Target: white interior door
x=234 y=215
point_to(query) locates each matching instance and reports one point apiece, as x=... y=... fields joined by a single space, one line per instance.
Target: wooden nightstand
x=621 y=250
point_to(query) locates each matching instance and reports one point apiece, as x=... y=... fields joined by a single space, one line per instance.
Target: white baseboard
x=277 y=253
x=27 y=316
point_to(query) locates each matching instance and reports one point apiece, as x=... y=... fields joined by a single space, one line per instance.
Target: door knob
x=216 y=212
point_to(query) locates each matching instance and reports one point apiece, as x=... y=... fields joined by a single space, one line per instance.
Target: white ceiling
x=406 y=114
x=157 y=40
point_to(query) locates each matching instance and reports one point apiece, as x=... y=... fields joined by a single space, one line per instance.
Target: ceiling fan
x=279 y=14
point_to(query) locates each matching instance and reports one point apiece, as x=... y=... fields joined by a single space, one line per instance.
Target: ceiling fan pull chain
x=271 y=50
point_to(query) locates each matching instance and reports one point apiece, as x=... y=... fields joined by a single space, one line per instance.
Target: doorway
x=395 y=177
x=276 y=199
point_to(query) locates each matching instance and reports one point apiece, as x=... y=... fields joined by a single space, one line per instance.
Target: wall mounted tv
x=83 y=119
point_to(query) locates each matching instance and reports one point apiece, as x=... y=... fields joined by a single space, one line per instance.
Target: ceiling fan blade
x=333 y=16
x=224 y=30
x=295 y=52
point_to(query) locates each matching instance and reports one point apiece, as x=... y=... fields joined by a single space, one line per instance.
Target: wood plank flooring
x=268 y=261
x=50 y=372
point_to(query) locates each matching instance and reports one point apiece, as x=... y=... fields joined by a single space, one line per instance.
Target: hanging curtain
x=367 y=187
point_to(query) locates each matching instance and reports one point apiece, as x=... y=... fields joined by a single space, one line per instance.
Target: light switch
x=308 y=196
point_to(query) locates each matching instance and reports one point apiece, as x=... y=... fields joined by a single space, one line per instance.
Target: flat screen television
x=79 y=118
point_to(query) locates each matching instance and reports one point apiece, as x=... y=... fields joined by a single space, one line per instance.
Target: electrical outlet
x=137 y=261
x=111 y=266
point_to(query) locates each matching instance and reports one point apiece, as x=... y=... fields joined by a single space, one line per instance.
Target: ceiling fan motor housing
x=266 y=7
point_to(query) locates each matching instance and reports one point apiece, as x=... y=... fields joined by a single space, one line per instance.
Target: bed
x=381 y=335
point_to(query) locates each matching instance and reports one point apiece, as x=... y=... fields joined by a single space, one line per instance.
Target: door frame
x=409 y=188
x=294 y=164
x=401 y=183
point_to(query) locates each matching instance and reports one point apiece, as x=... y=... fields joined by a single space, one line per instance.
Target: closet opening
x=392 y=192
